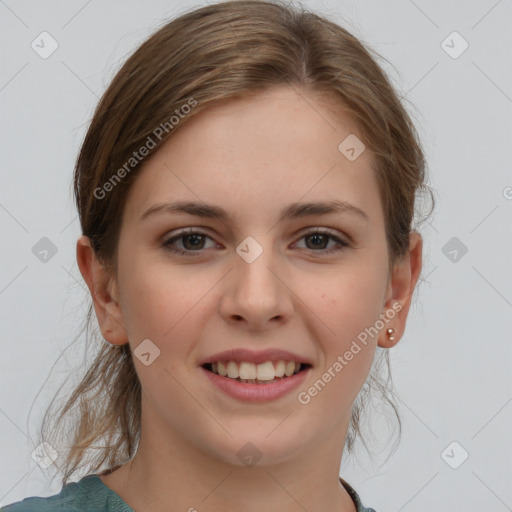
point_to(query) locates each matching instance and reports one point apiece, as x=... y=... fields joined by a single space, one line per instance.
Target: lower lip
x=257 y=392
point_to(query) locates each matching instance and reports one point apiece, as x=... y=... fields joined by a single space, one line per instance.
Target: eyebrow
x=292 y=211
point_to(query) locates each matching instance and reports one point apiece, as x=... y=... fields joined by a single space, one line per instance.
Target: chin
x=256 y=448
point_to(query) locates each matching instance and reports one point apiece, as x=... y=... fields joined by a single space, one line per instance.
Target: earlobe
x=401 y=288
x=103 y=292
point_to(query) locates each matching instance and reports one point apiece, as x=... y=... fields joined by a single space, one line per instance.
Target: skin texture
x=253 y=157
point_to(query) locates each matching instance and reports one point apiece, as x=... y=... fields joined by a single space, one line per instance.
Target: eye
x=319 y=239
x=191 y=241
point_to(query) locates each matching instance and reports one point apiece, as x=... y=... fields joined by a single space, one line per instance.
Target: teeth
x=233 y=372
x=290 y=368
x=280 y=368
x=253 y=373
x=265 y=371
x=247 y=371
x=221 y=369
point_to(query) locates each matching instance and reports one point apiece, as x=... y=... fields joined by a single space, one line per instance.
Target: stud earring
x=390 y=332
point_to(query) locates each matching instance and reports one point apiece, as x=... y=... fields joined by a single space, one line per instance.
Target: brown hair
x=218 y=52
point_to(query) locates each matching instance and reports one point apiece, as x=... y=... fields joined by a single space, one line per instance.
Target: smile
x=250 y=382
x=250 y=373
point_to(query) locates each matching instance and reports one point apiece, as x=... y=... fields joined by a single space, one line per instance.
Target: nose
x=256 y=295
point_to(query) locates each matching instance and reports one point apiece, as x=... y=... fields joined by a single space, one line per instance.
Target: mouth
x=264 y=373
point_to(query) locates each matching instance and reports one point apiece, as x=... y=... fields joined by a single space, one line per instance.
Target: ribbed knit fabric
x=90 y=494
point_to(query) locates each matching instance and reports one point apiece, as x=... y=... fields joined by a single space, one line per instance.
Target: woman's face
x=256 y=279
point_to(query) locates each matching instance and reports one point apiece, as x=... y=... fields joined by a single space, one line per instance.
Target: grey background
x=452 y=369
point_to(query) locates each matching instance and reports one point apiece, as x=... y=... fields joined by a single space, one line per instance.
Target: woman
x=246 y=192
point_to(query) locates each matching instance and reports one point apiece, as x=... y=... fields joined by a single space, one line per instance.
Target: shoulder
x=74 y=497
x=57 y=502
x=37 y=504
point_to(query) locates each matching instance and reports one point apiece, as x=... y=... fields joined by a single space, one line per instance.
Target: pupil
x=321 y=237
x=197 y=239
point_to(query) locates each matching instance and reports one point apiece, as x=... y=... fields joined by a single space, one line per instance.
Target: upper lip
x=256 y=357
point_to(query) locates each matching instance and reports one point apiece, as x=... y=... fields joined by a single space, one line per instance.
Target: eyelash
x=182 y=234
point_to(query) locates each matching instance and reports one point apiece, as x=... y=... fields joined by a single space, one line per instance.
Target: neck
x=172 y=475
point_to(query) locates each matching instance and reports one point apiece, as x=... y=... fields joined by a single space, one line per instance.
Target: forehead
x=278 y=146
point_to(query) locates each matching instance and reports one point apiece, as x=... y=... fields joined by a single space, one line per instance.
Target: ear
x=400 y=291
x=104 y=293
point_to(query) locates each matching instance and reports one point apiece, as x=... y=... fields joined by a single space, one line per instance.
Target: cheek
x=349 y=307
x=162 y=303
x=349 y=299
x=347 y=304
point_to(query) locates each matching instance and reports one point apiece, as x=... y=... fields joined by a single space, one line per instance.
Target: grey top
x=90 y=494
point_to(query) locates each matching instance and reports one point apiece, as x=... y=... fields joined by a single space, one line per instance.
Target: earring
x=390 y=332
